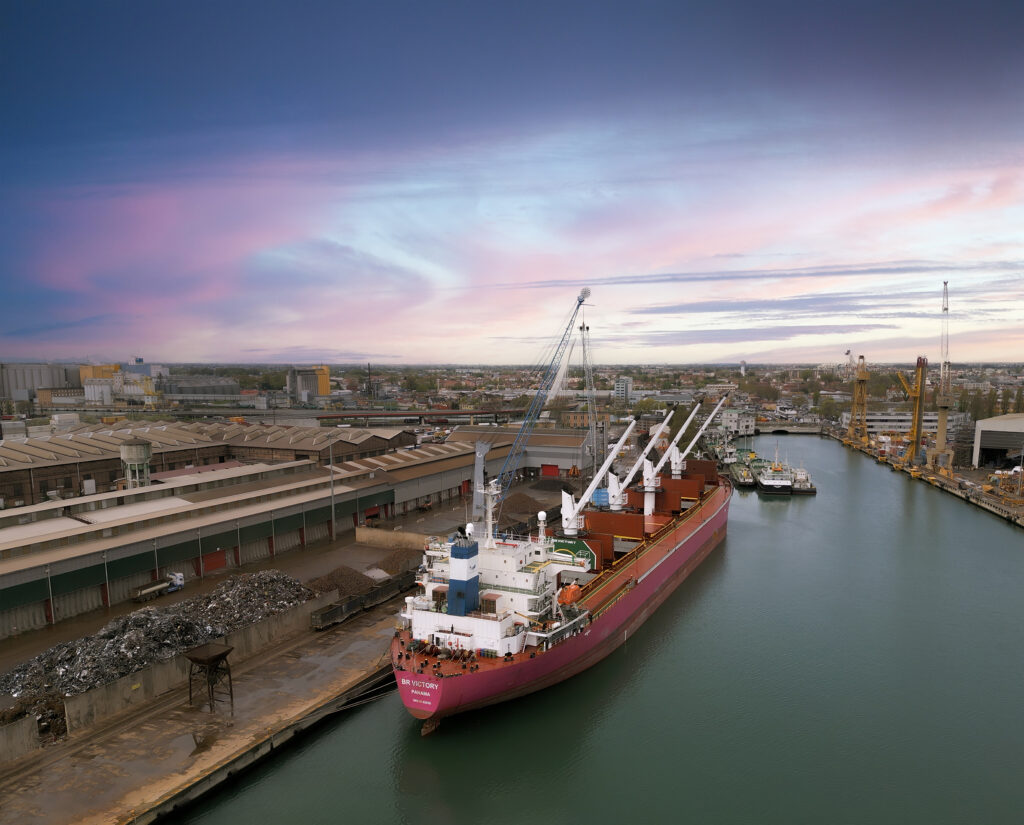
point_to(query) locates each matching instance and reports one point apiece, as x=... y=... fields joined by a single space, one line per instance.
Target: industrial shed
x=998 y=441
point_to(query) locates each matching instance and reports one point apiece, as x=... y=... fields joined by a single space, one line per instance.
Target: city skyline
x=409 y=183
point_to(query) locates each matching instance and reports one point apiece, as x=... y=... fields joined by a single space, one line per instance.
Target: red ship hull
x=645 y=584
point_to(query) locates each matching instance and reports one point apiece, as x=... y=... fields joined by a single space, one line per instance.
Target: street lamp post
x=106 y=581
x=49 y=589
x=330 y=466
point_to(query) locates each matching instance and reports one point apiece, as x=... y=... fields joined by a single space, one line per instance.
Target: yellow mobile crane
x=916 y=394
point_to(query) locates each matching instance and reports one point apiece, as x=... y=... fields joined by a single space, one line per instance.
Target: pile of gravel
x=522 y=503
x=345 y=580
x=134 y=641
x=552 y=485
x=400 y=560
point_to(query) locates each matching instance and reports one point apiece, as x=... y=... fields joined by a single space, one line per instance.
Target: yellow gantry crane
x=858 y=429
x=916 y=394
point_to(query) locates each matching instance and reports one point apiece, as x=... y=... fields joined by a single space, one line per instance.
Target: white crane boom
x=678 y=435
x=639 y=462
x=704 y=426
x=570 y=508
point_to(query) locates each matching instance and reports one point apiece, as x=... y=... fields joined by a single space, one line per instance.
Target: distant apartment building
x=623 y=390
x=737 y=422
x=715 y=391
x=891 y=421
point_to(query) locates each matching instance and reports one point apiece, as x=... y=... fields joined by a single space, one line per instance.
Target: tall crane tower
x=916 y=394
x=858 y=429
x=941 y=454
x=597 y=451
x=515 y=455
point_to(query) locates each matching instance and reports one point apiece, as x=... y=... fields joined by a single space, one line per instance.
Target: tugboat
x=774 y=478
x=741 y=475
x=802 y=484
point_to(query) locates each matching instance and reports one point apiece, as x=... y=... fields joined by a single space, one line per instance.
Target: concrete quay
x=954 y=486
x=149 y=761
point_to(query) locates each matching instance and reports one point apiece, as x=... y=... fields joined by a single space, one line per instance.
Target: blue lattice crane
x=515 y=455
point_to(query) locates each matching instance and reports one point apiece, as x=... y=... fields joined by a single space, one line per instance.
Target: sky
x=434 y=182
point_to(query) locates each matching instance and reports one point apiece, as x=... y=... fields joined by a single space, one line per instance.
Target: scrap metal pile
x=131 y=642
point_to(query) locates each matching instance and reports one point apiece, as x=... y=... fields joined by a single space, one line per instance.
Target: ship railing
x=525 y=591
x=510 y=539
x=442 y=607
x=567 y=629
x=540 y=591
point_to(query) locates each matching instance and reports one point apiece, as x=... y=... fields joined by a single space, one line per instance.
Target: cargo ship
x=497 y=617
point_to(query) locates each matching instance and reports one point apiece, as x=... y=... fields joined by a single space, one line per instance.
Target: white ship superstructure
x=493 y=596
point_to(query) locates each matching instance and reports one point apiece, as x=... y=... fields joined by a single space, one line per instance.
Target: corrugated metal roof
x=501 y=435
x=97 y=441
x=92 y=444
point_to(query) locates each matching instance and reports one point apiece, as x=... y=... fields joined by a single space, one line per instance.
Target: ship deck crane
x=616 y=489
x=515 y=455
x=651 y=478
x=570 y=507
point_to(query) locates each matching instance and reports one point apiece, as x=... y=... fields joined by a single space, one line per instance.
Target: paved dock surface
x=144 y=761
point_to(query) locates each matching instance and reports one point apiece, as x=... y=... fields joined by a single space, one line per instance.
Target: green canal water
x=855 y=657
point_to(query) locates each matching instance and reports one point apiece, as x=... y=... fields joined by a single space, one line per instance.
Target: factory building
x=549 y=452
x=98 y=371
x=304 y=385
x=19 y=382
x=199 y=388
x=998 y=441
x=86 y=459
x=60 y=558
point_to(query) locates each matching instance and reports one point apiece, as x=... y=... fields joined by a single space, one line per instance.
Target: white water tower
x=136 y=455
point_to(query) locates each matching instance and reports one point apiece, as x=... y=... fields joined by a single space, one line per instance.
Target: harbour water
x=854 y=657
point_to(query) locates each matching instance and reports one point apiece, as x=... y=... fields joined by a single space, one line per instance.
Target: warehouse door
x=549 y=470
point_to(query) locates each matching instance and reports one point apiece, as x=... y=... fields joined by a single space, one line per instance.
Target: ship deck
x=597 y=595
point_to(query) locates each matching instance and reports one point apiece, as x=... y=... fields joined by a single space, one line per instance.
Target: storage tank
x=136 y=455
